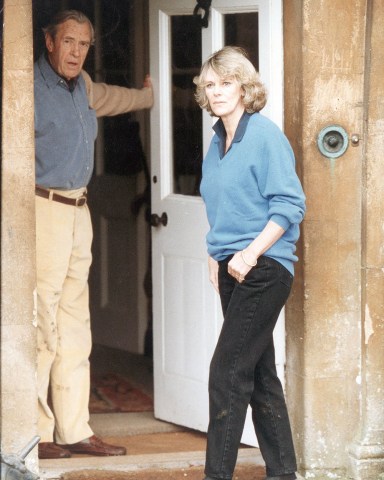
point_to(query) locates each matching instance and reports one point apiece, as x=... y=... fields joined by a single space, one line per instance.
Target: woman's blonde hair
x=232 y=62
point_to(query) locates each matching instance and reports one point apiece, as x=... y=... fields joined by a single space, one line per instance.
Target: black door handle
x=156 y=220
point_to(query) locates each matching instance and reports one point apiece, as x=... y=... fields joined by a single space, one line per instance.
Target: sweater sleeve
x=109 y=100
x=279 y=183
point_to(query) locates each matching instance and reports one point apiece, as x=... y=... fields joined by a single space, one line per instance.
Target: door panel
x=117 y=297
x=113 y=279
x=186 y=310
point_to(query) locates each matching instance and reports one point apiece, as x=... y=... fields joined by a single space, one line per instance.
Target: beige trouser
x=63 y=259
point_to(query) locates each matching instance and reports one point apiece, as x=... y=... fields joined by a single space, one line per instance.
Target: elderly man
x=67 y=103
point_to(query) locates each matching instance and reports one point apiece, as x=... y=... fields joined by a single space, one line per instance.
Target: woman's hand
x=213 y=268
x=237 y=268
x=243 y=261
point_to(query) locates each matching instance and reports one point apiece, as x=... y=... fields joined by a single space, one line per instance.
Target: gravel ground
x=242 y=472
x=161 y=443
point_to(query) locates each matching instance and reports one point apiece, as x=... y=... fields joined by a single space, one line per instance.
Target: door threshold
x=53 y=469
x=118 y=427
x=126 y=424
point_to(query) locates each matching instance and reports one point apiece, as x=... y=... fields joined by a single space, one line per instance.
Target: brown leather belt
x=75 y=202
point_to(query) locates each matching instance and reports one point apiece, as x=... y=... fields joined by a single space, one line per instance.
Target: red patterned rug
x=114 y=393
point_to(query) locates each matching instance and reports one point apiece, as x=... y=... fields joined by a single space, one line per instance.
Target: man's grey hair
x=63 y=16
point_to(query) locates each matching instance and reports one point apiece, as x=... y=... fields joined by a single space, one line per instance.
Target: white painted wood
x=186 y=311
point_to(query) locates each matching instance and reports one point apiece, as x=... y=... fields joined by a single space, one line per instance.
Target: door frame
x=270 y=28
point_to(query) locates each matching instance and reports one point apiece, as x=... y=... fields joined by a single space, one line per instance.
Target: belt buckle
x=81 y=201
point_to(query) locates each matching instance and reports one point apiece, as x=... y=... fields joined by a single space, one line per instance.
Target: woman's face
x=225 y=95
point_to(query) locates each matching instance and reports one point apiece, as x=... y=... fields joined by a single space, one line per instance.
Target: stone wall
x=334 y=319
x=18 y=405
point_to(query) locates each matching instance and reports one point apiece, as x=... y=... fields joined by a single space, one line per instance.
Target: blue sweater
x=254 y=182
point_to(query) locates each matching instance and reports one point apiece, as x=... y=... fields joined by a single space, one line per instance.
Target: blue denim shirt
x=65 y=130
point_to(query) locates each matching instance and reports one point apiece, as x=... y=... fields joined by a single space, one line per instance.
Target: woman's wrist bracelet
x=245 y=261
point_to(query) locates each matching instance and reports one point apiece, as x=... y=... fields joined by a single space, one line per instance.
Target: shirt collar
x=51 y=77
x=239 y=134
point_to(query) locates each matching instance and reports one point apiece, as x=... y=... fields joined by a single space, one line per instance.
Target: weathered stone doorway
x=333 y=70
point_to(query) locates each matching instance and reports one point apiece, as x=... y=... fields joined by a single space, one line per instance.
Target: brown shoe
x=51 y=450
x=95 y=446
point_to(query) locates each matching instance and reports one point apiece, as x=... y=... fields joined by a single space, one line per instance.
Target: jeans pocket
x=286 y=277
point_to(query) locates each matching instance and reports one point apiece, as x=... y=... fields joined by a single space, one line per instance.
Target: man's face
x=68 y=50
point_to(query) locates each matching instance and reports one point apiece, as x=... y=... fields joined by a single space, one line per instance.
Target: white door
x=186 y=311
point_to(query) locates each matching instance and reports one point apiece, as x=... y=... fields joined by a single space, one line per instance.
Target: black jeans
x=243 y=372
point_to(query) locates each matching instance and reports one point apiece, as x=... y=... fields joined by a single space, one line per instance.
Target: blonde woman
x=254 y=203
